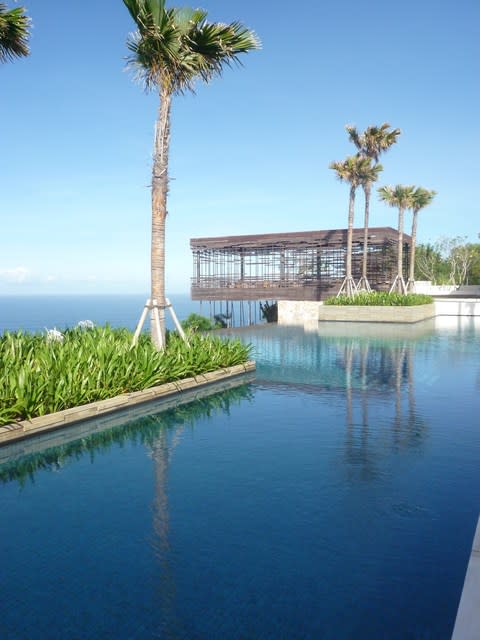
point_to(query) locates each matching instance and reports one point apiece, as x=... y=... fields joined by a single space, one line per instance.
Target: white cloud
x=16 y=275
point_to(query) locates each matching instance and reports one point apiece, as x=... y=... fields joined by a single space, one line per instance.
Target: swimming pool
x=336 y=496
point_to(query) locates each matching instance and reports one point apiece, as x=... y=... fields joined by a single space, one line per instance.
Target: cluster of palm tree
x=362 y=170
x=14 y=32
x=406 y=197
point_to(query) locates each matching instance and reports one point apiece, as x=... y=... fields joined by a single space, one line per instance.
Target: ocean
x=40 y=312
x=36 y=313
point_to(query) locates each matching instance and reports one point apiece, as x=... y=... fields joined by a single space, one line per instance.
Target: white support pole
x=141 y=322
x=350 y=287
x=364 y=285
x=411 y=288
x=394 y=284
x=399 y=283
x=175 y=320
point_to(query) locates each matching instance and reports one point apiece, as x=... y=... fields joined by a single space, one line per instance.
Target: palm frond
x=14 y=33
x=398 y=196
x=356 y=170
x=354 y=136
x=374 y=141
x=179 y=46
x=147 y=13
x=421 y=198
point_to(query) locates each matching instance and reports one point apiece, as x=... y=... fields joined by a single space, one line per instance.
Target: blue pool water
x=334 y=497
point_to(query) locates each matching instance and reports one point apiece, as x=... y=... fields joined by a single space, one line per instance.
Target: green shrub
x=381 y=299
x=196 y=322
x=42 y=374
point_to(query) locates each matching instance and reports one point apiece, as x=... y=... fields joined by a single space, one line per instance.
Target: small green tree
x=195 y=322
x=429 y=264
x=474 y=272
x=460 y=256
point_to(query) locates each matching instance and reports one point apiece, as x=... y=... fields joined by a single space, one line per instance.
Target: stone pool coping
x=467 y=624
x=27 y=428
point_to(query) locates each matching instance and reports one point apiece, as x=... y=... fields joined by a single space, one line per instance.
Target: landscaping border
x=27 y=428
x=366 y=313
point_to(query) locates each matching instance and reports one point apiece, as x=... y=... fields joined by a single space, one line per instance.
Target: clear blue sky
x=250 y=152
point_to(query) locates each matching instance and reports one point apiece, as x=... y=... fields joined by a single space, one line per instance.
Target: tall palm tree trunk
x=159 y=213
x=363 y=282
x=348 y=286
x=399 y=282
x=351 y=210
x=411 y=275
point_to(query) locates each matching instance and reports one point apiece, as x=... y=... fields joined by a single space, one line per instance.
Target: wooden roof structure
x=293 y=239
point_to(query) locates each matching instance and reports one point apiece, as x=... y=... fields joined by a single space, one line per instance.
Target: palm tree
x=399 y=196
x=370 y=144
x=14 y=26
x=170 y=50
x=355 y=170
x=421 y=198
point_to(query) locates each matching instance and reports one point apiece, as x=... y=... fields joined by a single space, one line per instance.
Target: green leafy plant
x=381 y=299
x=41 y=375
x=196 y=322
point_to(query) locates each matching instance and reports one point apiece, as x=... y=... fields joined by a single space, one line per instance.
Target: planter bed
x=27 y=428
x=396 y=314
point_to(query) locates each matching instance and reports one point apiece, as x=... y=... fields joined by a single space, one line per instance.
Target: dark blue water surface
x=334 y=497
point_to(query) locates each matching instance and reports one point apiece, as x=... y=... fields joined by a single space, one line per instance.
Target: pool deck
x=467 y=624
x=27 y=428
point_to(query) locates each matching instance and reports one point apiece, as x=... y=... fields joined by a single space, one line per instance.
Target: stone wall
x=457 y=307
x=294 y=312
x=425 y=286
x=307 y=313
x=376 y=314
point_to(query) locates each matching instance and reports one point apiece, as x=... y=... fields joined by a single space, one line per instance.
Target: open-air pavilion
x=304 y=265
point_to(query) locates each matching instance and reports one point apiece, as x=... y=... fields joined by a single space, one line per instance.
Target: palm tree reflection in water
x=370 y=367
x=370 y=373
x=161 y=456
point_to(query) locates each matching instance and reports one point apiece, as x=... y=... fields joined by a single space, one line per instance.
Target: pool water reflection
x=335 y=497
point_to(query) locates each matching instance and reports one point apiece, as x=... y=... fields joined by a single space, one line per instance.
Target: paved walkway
x=467 y=624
